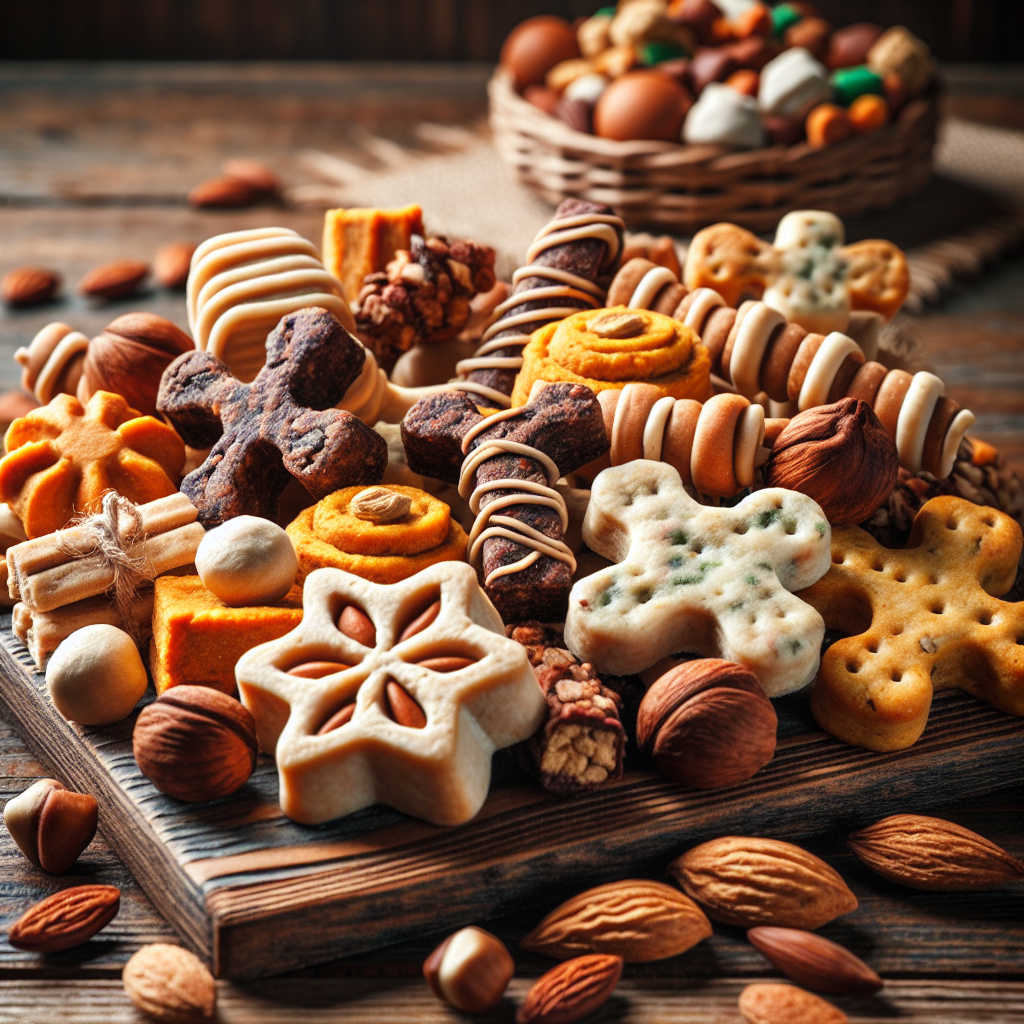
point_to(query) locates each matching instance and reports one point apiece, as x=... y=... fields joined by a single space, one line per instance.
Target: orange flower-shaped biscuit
x=62 y=457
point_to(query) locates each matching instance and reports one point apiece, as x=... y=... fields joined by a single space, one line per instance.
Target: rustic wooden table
x=96 y=162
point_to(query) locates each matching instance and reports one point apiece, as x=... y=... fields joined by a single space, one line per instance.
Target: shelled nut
x=471 y=970
x=51 y=825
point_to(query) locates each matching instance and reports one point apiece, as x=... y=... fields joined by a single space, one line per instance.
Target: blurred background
x=446 y=30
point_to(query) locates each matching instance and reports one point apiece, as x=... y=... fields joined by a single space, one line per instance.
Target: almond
x=258 y=175
x=570 y=991
x=635 y=919
x=29 y=286
x=66 y=919
x=113 y=280
x=773 y=1003
x=815 y=962
x=746 y=882
x=169 y=983
x=172 y=264
x=933 y=854
x=223 y=193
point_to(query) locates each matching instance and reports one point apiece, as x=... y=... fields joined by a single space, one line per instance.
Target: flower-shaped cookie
x=62 y=457
x=807 y=274
x=410 y=716
x=699 y=580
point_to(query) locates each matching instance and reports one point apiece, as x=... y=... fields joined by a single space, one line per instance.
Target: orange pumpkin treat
x=826 y=125
x=197 y=638
x=383 y=534
x=868 y=113
x=62 y=457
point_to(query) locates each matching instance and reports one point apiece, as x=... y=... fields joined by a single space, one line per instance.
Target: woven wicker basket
x=683 y=188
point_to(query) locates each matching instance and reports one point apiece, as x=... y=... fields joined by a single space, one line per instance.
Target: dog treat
x=11 y=533
x=197 y=638
x=52 y=363
x=715 y=447
x=659 y=249
x=423 y=296
x=42 y=632
x=792 y=83
x=582 y=744
x=699 y=580
x=358 y=243
x=278 y=427
x=899 y=51
x=137 y=542
x=643 y=284
x=723 y=117
x=507 y=465
x=382 y=534
x=433 y=685
x=565 y=270
x=242 y=283
x=247 y=561
x=808 y=274
x=936 y=623
x=608 y=348
x=62 y=457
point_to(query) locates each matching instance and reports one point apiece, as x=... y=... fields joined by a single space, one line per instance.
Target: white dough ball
x=96 y=676
x=247 y=561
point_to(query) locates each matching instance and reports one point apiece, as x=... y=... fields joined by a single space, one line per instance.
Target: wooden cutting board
x=257 y=894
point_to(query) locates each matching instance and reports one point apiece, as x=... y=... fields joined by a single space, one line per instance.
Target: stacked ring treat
x=242 y=283
x=52 y=362
x=564 y=268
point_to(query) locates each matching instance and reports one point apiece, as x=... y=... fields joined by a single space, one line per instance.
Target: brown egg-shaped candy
x=535 y=46
x=642 y=105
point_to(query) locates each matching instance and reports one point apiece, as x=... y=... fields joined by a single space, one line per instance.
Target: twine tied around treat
x=114 y=531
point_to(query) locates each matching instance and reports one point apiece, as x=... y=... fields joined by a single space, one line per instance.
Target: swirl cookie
x=690 y=578
x=936 y=623
x=383 y=534
x=609 y=348
x=396 y=695
x=242 y=283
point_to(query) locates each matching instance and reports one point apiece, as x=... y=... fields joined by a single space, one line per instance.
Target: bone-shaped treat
x=405 y=711
x=936 y=623
x=278 y=427
x=564 y=269
x=694 y=579
x=506 y=466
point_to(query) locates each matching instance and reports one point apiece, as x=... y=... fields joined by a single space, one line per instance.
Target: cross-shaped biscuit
x=338 y=743
x=699 y=580
x=281 y=425
x=925 y=618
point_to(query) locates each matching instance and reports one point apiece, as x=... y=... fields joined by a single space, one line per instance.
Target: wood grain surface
x=94 y=165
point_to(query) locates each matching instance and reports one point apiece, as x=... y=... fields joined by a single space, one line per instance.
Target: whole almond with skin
x=933 y=854
x=707 y=724
x=195 y=743
x=746 y=882
x=815 y=962
x=29 y=286
x=635 y=919
x=113 y=280
x=571 y=991
x=66 y=919
x=51 y=824
x=258 y=175
x=169 y=983
x=172 y=264
x=774 y=1003
x=223 y=194
x=471 y=970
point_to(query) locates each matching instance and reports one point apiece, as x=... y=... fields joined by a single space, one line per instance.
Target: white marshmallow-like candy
x=724 y=117
x=792 y=83
x=587 y=88
x=247 y=561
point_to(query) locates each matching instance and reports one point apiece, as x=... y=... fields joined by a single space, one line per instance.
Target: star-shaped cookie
x=436 y=656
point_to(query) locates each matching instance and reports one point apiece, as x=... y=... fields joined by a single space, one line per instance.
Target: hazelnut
x=707 y=724
x=841 y=456
x=130 y=357
x=51 y=825
x=247 y=561
x=470 y=970
x=195 y=743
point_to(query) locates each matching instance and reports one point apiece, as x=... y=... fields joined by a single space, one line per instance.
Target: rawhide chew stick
x=563 y=274
x=754 y=349
x=506 y=466
x=70 y=565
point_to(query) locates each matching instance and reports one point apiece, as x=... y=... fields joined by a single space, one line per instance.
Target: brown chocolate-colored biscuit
x=801 y=364
x=778 y=358
x=843 y=379
x=934 y=439
x=625 y=281
x=282 y=425
x=716 y=334
x=866 y=382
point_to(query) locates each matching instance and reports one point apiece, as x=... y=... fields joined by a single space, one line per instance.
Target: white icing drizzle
x=564 y=285
x=488 y=524
x=915 y=414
